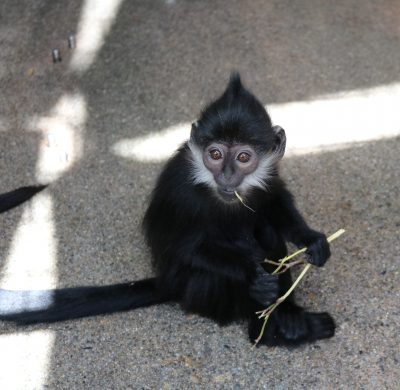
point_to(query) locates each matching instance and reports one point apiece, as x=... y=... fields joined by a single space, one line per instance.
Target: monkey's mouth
x=227 y=194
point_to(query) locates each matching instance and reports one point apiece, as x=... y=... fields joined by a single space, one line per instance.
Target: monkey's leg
x=290 y=324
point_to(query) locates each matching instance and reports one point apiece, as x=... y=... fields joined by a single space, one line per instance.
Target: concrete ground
x=140 y=68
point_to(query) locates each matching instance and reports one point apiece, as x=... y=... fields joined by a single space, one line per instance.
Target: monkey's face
x=233 y=145
x=229 y=166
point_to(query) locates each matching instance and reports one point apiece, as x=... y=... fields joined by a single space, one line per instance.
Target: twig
x=268 y=311
x=282 y=263
x=242 y=201
x=286 y=266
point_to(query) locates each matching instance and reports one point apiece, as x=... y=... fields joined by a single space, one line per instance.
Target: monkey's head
x=234 y=145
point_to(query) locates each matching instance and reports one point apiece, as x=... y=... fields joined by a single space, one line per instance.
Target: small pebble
x=71 y=41
x=56 y=55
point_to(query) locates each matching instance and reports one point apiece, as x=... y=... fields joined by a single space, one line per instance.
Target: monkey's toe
x=321 y=326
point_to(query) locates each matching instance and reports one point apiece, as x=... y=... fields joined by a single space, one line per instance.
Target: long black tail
x=29 y=307
x=14 y=198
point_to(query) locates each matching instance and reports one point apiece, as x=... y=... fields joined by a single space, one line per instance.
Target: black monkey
x=206 y=245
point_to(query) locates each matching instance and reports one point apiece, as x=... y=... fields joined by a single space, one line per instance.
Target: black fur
x=14 y=198
x=236 y=116
x=207 y=253
x=70 y=303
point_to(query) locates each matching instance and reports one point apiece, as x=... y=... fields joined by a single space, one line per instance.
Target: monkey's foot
x=292 y=326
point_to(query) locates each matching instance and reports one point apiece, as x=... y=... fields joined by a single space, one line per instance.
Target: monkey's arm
x=294 y=228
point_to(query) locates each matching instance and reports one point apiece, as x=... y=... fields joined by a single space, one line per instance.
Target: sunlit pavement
x=99 y=124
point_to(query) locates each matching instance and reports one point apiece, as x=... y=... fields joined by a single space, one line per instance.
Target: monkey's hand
x=265 y=287
x=318 y=250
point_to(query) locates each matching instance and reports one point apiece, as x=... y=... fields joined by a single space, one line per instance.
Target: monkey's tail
x=14 y=198
x=29 y=307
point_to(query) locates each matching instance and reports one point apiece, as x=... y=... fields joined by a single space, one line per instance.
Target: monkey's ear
x=280 y=141
x=192 y=131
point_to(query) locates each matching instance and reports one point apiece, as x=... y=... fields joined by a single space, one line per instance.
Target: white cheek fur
x=257 y=179
x=200 y=174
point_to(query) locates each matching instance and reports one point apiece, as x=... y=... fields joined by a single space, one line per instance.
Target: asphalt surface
x=159 y=63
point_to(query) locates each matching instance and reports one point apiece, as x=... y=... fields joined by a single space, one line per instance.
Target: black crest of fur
x=235 y=116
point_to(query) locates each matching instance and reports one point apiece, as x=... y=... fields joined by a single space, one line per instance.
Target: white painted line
x=95 y=22
x=25 y=360
x=328 y=122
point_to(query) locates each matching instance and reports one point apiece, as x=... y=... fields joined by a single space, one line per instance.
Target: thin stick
x=268 y=311
x=285 y=259
x=286 y=266
x=282 y=262
x=242 y=201
x=288 y=292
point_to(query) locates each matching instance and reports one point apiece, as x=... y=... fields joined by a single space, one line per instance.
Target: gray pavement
x=157 y=64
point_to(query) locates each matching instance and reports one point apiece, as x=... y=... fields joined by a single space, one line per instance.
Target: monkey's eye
x=243 y=157
x=215 y=154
